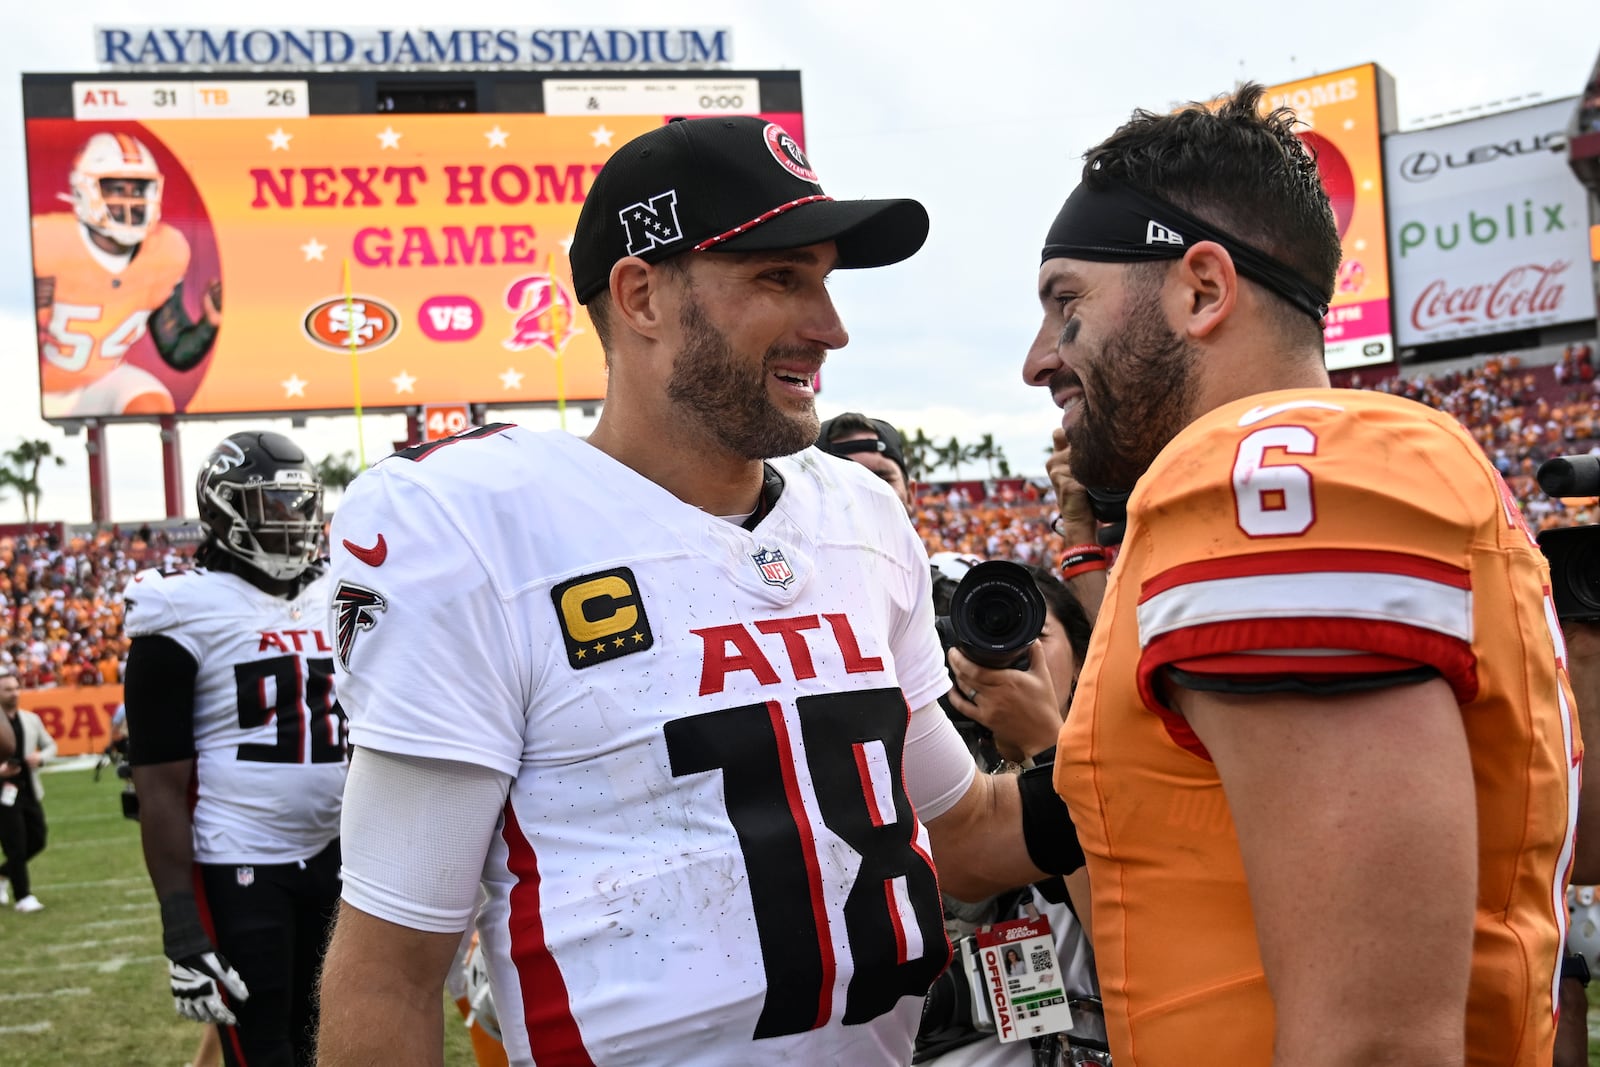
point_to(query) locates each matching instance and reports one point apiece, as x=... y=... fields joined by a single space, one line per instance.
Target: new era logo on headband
x=1155 y=233
x=651 y=224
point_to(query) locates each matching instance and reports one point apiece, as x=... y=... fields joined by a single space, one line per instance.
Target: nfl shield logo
x=245 y=875
x=774 y=568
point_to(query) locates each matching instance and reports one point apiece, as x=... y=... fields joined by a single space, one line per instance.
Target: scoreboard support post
x=171 y=467
x=99 y=474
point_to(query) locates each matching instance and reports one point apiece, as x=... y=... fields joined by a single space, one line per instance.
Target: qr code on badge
x=1040 y=959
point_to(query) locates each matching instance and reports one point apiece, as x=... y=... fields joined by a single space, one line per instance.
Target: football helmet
x=260 y=502
x=126 y=210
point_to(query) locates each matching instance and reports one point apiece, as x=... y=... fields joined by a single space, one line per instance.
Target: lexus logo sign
x=1420 y=166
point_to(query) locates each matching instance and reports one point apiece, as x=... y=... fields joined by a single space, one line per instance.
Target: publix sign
x=1487 y=227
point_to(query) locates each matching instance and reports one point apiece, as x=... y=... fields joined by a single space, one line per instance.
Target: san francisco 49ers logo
x=355 y=608
x=548 y=314
x=359 y=322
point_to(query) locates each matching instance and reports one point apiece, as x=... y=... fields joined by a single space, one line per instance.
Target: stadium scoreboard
x=224 y=243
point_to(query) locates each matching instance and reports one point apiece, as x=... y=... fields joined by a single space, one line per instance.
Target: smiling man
x=1322 y=758
x=664 y=711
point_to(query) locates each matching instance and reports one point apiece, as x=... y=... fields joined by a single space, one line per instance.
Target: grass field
x=84 y=981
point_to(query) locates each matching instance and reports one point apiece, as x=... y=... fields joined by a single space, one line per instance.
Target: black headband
x=1116 y=223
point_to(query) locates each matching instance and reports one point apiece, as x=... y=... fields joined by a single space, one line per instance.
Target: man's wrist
x=182 y=933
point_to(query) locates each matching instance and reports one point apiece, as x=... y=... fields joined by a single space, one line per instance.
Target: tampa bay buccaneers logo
x=546 y=314
x=355 y=608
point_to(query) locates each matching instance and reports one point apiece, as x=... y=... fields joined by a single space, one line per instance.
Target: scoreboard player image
x=107 y=274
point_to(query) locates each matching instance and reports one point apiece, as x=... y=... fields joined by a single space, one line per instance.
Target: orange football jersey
x=1309 y=521
x=97 y=315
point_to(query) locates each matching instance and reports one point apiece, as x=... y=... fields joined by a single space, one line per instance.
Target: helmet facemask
x=275 y=527
x=116 y=188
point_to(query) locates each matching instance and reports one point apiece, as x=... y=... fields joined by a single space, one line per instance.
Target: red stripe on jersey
x=902 y=947
x=1453 y=658
x=864 y=771
x=808 y=848
x=1307 y=560
x=553 y=1033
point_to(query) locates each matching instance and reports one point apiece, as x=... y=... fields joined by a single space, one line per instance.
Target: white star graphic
x=389 y=138
x=403 y=382
x=1349 y=124
x=497 y=137
x=1360 y=246
x=294 y=385
x=313 y=249
x=511 y=379
x=601 y=135
x=279 y=139
x=566 y=244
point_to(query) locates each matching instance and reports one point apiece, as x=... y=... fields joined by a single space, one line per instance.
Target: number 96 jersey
x=1315 y=535
x=269 y=736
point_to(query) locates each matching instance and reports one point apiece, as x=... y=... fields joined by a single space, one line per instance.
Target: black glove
x=202 y=979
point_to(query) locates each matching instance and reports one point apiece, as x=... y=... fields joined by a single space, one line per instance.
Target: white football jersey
x=708 y=854
x=268 y=734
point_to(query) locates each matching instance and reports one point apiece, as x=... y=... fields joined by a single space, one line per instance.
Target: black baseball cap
x=734 y=184
x=851 y=422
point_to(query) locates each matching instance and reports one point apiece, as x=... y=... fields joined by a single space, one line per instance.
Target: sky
x=981 y=111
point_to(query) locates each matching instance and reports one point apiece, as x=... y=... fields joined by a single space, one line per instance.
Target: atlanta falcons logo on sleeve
x=354 y=610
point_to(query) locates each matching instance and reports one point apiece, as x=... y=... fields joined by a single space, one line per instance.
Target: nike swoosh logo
x=1257 y=413
x=372 y=557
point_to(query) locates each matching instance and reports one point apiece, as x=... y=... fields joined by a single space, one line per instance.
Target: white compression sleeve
x=939 y=768
x=414 y=833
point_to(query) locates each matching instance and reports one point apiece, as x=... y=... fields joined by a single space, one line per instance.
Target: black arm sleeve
x=158 y=693
x=181 y=342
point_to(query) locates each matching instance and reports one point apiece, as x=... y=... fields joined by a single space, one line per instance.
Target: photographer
x=22 y=824
x=1573 y=574
x=1009 y=716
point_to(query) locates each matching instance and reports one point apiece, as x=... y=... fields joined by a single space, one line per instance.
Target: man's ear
x=1208 y=285
x=636 y=290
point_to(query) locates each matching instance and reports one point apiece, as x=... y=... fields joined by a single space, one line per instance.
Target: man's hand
x=1078 y=524
x=1021 y=708
x=44 y=293
x=195 y=987
x=211 y=303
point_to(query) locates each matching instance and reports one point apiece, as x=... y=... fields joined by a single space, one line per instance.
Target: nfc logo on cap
x=1155 y=233
x=652 y=223
x=602 y=617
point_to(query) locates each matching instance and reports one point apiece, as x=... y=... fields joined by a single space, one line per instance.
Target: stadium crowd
x=62 y=595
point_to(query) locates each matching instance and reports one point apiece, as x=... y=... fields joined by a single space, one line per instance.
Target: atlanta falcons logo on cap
x=355 y=609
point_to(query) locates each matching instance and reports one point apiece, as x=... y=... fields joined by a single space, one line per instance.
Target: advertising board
x=1488 y=227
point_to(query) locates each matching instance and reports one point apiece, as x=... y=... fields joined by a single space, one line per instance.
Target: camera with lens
x=1574 y=551
x=996 y=612
x=1110 y=508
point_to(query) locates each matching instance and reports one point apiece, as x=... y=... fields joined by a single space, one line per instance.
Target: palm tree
x=951 y=454
x=337 y=471
x=984 y=450
x=21 y=473
x=920 y=456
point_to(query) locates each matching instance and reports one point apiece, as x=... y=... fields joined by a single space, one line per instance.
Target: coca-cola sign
x=1526 y=295
x=1486 y=228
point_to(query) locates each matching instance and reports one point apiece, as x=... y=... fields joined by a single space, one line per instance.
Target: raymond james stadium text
x=149 y=47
